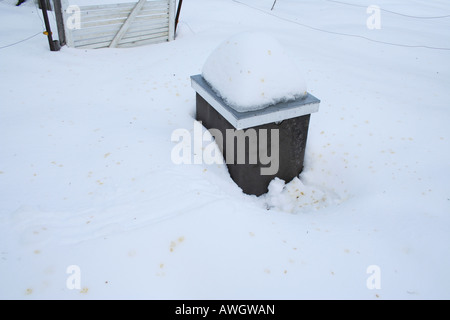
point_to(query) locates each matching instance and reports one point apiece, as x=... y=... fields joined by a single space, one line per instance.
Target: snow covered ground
x=86 y=177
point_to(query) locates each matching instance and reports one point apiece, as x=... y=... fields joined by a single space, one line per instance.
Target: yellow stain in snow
x=84 y=290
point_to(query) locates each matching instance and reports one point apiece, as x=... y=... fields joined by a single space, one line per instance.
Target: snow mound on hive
x=251 y=71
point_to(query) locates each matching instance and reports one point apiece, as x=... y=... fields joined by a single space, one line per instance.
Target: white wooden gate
x=119 y=25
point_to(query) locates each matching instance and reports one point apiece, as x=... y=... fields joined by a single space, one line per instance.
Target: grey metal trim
x=242 y=120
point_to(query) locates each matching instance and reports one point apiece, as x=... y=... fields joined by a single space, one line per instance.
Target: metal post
x=180 y=3
x=60 y=22
x=47 y=4
x=54 y=45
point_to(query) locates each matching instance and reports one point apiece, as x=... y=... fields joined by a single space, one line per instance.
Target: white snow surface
x=251 y=71
x=86 y=176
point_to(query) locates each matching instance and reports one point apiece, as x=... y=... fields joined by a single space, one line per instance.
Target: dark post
x=180 y=3
x=60 y=22
x=48 y=5
x=273 y=6
x=54 y=45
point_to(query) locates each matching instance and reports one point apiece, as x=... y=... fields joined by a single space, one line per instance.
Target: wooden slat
x=102 y=23
x=106 y=16
x=144 y=37
x=95 y=13
x=145 y=34
x=108 y=6
x=156 y=4
x=152 y=21
x=160 y=7
x=144 y=42
x=96 y=45
x=105 y=38
x=150 y=25
x=153 y=17
x=153 y=12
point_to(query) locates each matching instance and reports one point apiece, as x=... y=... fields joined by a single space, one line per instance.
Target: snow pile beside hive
x=298 y=197
x=251 y=71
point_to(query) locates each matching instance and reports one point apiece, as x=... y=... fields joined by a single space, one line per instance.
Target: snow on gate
x=119 y=25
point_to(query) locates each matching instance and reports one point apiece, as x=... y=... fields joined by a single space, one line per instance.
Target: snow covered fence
x=118 y=25
x=249 y=90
